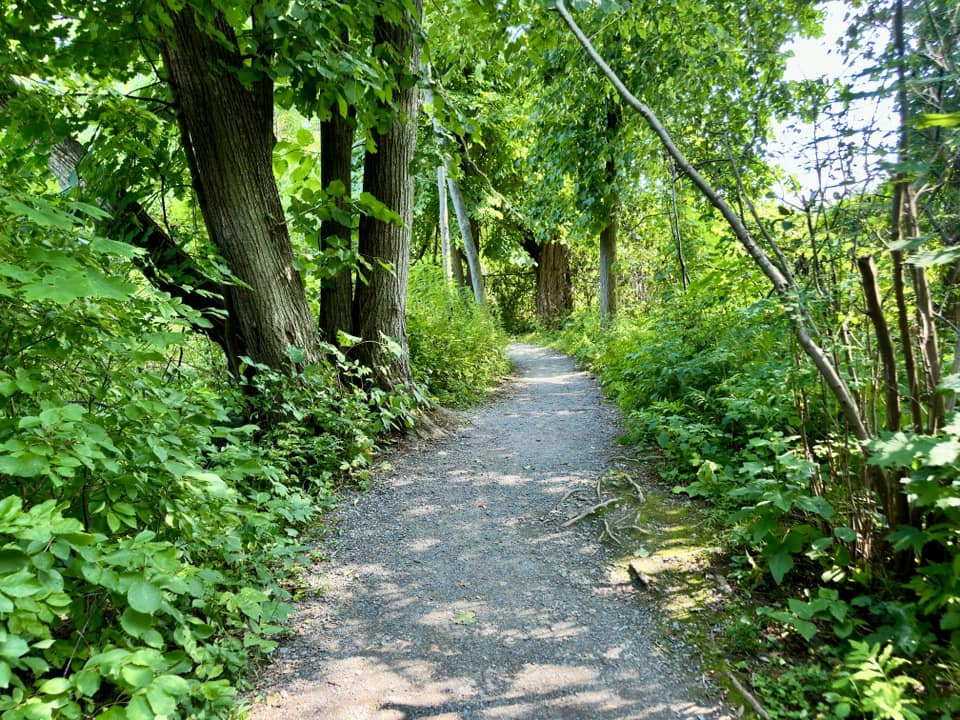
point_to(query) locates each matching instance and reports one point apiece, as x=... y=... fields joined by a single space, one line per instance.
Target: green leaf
x=136 y=676
x=55 y=686
x=945 y=120
x=135 y=623
x=5 y=675
x=10 y=506
x=160 y=702
x=465 y=617
x=12 y=560
x=139 y=709
x=13 y=647
x=950 y=621
x=304 y=136
x=780 y=564
x=846 y=534
x=87 y=682
x=144 y=596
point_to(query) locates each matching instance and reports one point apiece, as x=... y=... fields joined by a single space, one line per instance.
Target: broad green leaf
x=780 y=564
x=87 y=682
x=136 y=623
x=55 y=686
x=136 y=676
x=144 y=596
x=465 y=617
x=160 y=701
x=13 y=647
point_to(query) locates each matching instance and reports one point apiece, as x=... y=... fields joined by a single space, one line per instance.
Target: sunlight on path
x=454 y=593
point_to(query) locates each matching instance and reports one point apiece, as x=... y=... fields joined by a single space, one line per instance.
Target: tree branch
x=783 y=288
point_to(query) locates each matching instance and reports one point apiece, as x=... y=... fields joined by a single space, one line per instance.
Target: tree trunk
x=468 y=236
x=554 y=295
x=379 y=307
x=456 y=263
x=227 y=133
x=443 y=219
x=336 y=293
x=608 y=256
x=165 y=265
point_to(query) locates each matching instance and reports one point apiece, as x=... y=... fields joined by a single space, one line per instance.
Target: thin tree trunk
x=467 y=235
x=456 y=263
x=443 y=219
x=379 y=304
x=227 y=132
x=675 y=223
x=336 y=293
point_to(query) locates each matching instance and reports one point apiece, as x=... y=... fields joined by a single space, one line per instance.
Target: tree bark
x=379 y=307
x=336 y=293
x=467 y=235
x=554 y=294
x=227 y=131
x=443 y=219
x=608 y=256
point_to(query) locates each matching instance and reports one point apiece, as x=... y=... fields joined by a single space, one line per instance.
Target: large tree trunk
x=379 y=307
x=336 y=293
x=227 y=133
x=554 y=295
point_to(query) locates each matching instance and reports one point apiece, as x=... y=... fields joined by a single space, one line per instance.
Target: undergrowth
x=456 y=347
x=153 y=514
x=740 y=422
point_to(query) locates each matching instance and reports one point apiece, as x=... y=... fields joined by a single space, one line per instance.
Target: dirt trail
x=453 y=593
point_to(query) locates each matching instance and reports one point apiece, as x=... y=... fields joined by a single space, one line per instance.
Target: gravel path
x=453 y=593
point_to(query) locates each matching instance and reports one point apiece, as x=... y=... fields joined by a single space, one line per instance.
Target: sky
x=822 y=57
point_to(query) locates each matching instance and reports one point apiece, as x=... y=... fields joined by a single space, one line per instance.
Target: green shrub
x=456 y=348
x=149 y=527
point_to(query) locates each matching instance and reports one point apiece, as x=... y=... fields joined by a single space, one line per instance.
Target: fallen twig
x=636 y=486
x=591 y=511
x=751 y=700
x=575 y=491
x=610 y=533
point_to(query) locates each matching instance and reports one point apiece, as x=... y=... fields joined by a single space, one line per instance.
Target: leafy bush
x=148 y=527
x=723 y=398
x=456 y=348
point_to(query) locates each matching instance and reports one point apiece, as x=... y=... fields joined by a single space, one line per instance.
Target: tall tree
x=336 y=291
x=226 y=126
x=379 y=304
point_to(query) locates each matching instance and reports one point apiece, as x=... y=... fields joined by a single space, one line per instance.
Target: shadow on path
x=454 y=593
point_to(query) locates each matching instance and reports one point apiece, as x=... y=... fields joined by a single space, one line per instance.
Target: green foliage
x=149 y=527
x=456 y=348
x=870 y=684
x=794 y=692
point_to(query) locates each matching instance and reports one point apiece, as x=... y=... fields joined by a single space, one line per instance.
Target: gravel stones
x=452 y=591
